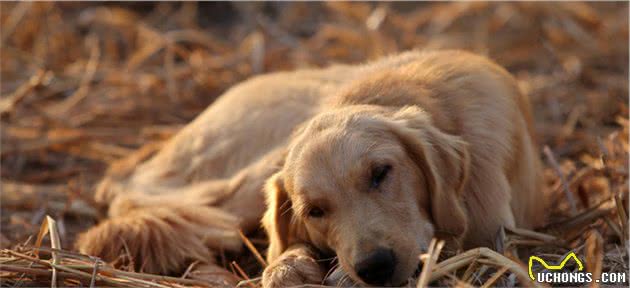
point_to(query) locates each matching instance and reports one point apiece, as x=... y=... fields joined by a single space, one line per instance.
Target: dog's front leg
x=296 y=266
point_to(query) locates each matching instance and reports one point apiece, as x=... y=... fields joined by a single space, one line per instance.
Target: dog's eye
x=316 y=212
x=379 y=173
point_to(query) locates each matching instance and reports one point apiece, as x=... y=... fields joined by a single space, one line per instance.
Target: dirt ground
x=84 y=85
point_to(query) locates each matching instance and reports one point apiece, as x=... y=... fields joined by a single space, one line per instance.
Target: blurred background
x=84 y=85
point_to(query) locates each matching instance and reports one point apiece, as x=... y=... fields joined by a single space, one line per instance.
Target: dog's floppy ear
x=444 y=161
x=277 y=218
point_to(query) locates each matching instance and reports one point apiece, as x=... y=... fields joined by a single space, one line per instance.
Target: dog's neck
x=386 y=90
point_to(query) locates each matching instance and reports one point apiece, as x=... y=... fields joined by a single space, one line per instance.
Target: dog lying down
x=363 y=163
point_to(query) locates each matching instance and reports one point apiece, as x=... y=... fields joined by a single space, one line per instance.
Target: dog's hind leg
x=163 y=232
x=240 y=195
x=162 y=239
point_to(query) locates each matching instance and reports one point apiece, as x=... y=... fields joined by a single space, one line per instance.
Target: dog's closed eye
x=315 y=208
x=315 y=212
x=379 y=173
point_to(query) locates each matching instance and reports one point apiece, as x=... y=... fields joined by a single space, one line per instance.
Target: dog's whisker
x=330 y=271
x=332 y=259
x=341 y=280
x=284 y=204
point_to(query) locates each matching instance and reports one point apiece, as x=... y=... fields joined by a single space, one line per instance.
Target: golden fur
x=453 y=126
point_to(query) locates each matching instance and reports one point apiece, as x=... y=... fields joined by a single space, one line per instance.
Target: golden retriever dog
x=363 y=163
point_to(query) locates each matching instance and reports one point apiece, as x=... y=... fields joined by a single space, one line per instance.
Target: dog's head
x=371 y=184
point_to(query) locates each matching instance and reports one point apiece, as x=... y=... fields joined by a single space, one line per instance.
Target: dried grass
x=84 y=85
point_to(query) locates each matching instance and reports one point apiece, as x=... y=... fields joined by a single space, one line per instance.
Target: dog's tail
x=162 y=239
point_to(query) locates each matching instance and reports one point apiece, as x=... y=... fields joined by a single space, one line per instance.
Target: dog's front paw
x=294 y=267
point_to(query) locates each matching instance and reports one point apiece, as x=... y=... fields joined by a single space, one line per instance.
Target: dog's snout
x=377 y=268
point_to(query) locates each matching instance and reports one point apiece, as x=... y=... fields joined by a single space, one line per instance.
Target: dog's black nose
x=377 y=268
